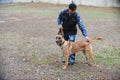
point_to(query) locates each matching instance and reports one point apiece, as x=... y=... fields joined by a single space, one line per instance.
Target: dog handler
x=67 y=21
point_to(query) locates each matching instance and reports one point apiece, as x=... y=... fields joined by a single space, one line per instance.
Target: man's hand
x=88 y=39
x=60 y=27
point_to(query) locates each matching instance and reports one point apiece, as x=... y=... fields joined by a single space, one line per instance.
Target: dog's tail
x=96 y=38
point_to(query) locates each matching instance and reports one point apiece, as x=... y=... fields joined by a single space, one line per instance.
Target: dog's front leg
x=66 y=56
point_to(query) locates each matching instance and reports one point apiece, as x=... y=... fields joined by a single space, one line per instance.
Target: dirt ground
x=28 y=50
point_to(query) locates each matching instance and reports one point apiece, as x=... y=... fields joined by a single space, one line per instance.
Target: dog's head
x=59 y=38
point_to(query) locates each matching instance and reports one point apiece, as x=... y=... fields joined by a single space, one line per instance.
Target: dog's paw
x=96 y=66
x=89 y=64
x=64 y=67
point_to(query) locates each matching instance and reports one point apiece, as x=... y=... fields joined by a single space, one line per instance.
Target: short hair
x=72 y=6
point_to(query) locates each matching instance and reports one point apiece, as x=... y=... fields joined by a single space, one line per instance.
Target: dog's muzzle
x=58 y=41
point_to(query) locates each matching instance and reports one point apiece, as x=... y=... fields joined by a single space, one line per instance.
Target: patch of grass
x=19 y=9
x=34 y=60
x=90 y=14
x=108 y=61
x=81 y=76
x=20 y=49
x=23 y=9
x=75 y=78
x=11 y=41
x=38 y=51
x=49 y=59
x=48 y=13
x=58 y=74
x=110 y=56
x=80 y=57
x=112 y=52
x=42 y=79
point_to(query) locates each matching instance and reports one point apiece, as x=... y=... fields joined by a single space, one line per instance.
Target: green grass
x=19 y=9
x=108 y=61
x=90 y=14
x=26 y=10
x=34 y=60
x=53 y=12
x=83 y=74
x=58 y=74
x=49 y=59
x=42 y=79
x=110 y=56
x=48 y=13
x=37 y=51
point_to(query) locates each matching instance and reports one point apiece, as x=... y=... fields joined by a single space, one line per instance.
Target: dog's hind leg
x=86 y=57
x=90 y=53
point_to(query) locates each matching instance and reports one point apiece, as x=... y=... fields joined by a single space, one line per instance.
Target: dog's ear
x=60 y=32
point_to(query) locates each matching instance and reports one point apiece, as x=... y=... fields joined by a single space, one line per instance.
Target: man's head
x=72 y=8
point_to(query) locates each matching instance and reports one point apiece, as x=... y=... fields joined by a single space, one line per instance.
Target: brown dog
x=73 y=47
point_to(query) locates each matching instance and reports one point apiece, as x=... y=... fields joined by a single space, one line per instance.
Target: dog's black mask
x=59 y=38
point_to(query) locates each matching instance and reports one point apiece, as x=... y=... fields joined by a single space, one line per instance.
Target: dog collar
x=62 y=43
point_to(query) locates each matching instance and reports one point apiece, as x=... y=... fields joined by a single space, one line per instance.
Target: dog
x=69 y=48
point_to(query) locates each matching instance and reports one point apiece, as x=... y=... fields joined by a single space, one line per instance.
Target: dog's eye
x=59 y=38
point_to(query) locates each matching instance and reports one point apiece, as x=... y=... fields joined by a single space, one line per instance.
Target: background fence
x=100 y=3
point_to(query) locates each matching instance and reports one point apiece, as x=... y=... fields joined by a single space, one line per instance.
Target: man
x=67 y=21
